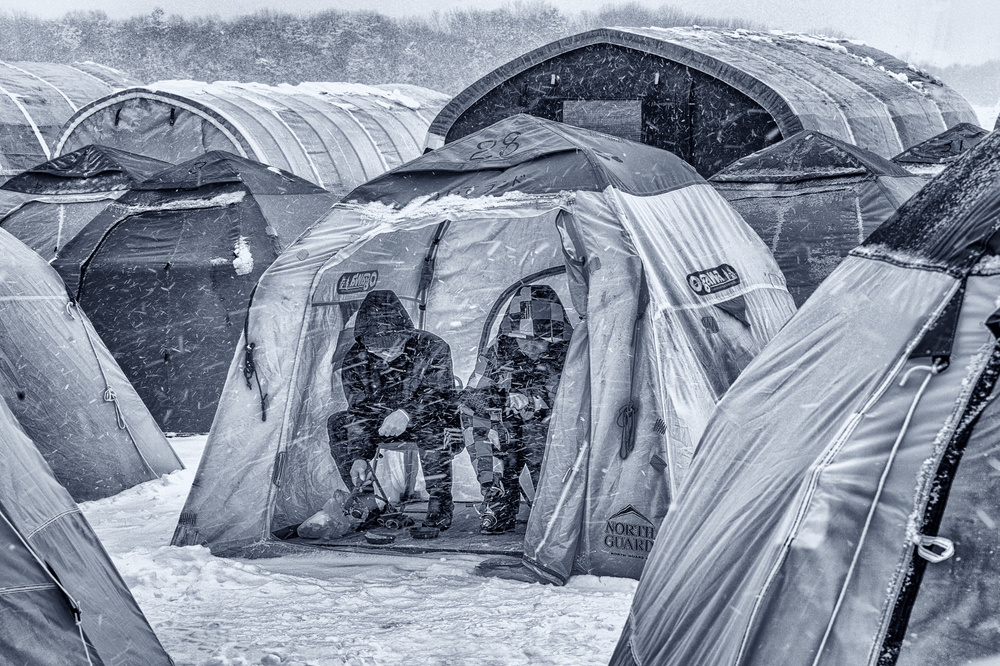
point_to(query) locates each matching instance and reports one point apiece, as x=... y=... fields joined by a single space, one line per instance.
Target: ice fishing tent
x=61 y=599
x=65 y=388
x=843 y=503
x=54 y=200
x=337 y=135
x=930 y=157
x=676 y=292
x=812 y=199
x=166 y=271
x=710 y=95
x=37 y=98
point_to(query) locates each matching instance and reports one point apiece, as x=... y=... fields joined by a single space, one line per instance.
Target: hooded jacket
x=418 y=381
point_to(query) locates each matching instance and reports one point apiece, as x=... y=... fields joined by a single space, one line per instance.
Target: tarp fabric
x=336 y=135
x=52 y=567
x=66 y=389
x=712 y=95
x=675 y=293
x=37 y=98
x=54 y=200
x=839 y=509
x=166 y=272
x=811 y=199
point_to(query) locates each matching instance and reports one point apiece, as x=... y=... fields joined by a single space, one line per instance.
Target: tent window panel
x=619 y=117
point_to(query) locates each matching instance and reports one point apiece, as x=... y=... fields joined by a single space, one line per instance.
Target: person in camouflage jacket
x=505 y=408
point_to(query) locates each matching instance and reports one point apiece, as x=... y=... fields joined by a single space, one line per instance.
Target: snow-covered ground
x=335 y=608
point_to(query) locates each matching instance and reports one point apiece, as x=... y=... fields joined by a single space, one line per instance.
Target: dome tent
x=841 y=508
x=165 y=273
x=56 y=199
x=930 y=157
x=65 y=388
x=336 y=135
x=629 y=236
x=36 y=98
x=711 y=95
x=61 y=599
x=812 y=199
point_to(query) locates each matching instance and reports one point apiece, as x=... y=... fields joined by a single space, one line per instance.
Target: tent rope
x=73 y=604
x=110 y=395
x=931 y=370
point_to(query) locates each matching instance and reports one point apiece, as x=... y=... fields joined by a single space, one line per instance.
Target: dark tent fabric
x=675 y=291
x=842 y=505
x=811 y=199
x=54 y=200
x=62 y=603
x=66 y=389
x=37 y=98
x=337 y=135
x=166 y=271
x=711 y=95
x=929 y=157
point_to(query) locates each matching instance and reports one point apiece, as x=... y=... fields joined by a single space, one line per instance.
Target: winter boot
x=499 y=509
x=439 y=511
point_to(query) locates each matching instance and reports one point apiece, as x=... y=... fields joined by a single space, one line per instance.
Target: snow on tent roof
x=66 y=389
x=946 y=147
x=845 y=490
x=712 y=95
x=336 y=135
x=677 y=292
x=63 y=600
x=807 y=156
x=89 y=169
x=37 y=98
x=166 y=271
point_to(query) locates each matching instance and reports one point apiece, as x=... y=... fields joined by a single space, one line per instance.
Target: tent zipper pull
x=925 y=543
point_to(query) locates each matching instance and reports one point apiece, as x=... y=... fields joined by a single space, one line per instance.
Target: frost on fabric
x=885 y=253
x=243 y=260
x=925 y=491
x=816 y=40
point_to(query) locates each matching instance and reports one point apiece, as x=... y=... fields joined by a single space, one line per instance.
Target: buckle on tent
x=926 y=543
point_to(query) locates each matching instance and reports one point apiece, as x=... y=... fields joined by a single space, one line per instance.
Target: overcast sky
x=938 y=32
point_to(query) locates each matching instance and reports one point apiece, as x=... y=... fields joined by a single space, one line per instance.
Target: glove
x=360 y=472
x=394 y=424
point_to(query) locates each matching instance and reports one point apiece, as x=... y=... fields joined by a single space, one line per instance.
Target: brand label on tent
x=357 y=283
x=628 y=533
x=713 y=280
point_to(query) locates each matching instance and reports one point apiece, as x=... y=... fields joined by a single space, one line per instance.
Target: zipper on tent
x=249 y=364
x=934 y=507
x=626 y=413
x=427 y=271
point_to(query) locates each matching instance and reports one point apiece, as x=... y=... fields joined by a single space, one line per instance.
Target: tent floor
x=462 y=537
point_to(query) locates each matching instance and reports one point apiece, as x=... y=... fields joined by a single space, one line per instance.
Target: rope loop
x=626 y=421
x=111 y=396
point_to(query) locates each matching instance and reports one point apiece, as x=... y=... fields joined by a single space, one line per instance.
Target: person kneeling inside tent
x=399 y=387
x=506 y=407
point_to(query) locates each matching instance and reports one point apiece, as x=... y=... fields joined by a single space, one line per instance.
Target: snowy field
x=335 y=608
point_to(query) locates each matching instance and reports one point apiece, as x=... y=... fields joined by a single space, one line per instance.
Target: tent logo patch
x=357 y=283
x=713 y=280
x=628 y=533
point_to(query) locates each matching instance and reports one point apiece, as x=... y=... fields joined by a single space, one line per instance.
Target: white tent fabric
x=65 y=387
x=36 y=98
x=676 y=295
x=336 y=135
